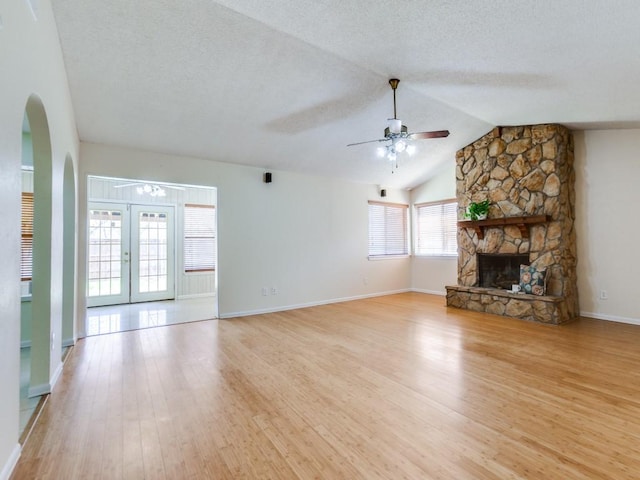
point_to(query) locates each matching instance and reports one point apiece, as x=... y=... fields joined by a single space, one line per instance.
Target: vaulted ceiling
x=287 y=84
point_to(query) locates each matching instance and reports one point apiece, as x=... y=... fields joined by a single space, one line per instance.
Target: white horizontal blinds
x=26 y=243
x=437 y=228
x=199 y=238
x=387 y=229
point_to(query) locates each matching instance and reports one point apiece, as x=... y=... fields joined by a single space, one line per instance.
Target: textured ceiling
x=287 y=84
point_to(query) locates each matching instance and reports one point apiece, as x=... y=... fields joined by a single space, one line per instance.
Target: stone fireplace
x=500 y=270
x=527 y=174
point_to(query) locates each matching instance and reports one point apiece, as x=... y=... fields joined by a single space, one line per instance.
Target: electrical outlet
x=265 y=291
x=274 y=290
x=604 y=295
x=365 y=280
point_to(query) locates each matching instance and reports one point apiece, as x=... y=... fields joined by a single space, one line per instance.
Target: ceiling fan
x=398 y=135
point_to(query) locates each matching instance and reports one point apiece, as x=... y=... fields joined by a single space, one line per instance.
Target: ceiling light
x=394 y=148
x=153 y=190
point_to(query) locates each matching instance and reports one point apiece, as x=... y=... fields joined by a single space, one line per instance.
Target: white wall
x=31 y=63
x=607 y=164
x=305 y=236
x=432 y=274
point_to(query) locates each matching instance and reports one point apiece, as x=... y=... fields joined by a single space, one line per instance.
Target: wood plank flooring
x=395 y=387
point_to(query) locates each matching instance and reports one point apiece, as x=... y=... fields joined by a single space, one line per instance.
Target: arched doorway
x=43 y=346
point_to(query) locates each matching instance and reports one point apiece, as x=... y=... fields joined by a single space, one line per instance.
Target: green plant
x=477 y=210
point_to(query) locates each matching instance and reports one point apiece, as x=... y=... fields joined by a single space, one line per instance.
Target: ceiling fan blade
x=368 y=141
x=426 y=135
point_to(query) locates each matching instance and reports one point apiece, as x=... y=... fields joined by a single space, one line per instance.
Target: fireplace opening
x=500 y=270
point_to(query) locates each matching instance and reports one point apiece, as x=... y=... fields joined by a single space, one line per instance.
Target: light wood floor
x=392 y=387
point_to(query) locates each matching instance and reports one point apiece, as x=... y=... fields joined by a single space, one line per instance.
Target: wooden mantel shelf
x=521 y=222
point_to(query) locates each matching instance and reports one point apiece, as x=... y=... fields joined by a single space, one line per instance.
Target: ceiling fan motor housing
x=403 y=132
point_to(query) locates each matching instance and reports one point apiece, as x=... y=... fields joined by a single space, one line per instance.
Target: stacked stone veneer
x=523 y=171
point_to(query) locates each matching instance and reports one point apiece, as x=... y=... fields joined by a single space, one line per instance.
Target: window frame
x=405 y=236
x=185 y=242
x=452 y=229
x=26 y=236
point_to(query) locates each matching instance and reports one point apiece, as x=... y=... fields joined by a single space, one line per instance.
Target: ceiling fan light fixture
x=397 y=136
x=153 y=190
x=157 y=191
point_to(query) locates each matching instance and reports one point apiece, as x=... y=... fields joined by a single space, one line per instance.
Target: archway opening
x=36 y=332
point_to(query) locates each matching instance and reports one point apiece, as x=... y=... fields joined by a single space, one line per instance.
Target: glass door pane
x=152 y=253
x=108 y=267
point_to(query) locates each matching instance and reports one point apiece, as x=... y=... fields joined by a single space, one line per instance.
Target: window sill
x=198 y=273
x=386 y=257
x=437 y=255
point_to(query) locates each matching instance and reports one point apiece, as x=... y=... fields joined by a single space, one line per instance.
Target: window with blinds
x=388 y=229
x=26 y=253
x=199 y=238
x=437 y=228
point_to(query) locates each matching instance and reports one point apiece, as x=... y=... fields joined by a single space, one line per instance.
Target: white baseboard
x=56 y=375
x=611 y=318
x=67 y=342
x=430 y=292
x=44 y=388
x=38 y=390
x=195 y=295
x=283 y=308
x=11 y=463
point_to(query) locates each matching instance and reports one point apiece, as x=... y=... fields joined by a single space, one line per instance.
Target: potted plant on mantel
x=477 y=210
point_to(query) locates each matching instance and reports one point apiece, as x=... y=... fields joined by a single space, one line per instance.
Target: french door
x=131 y=253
